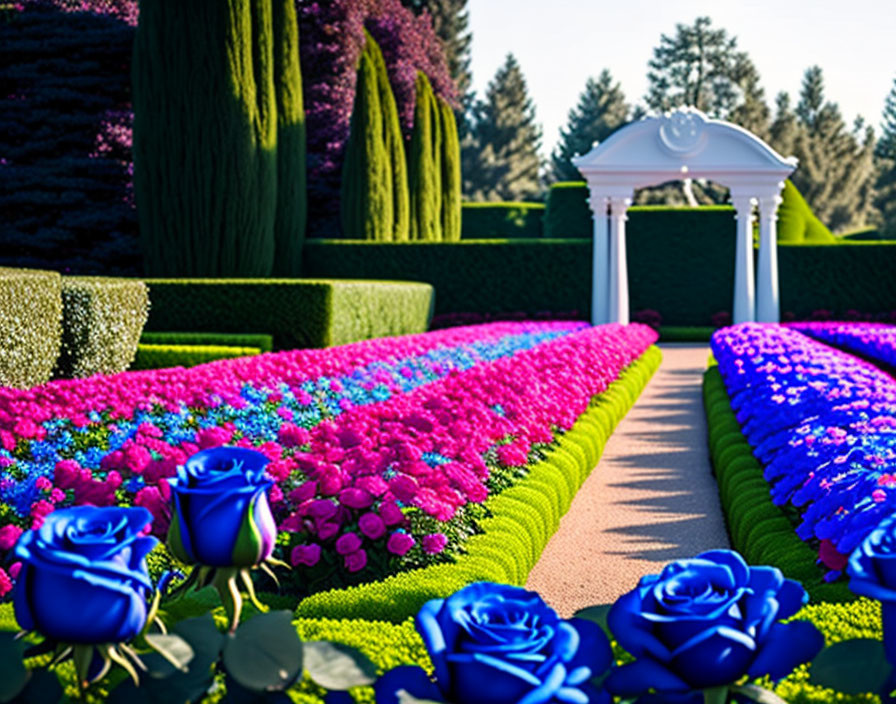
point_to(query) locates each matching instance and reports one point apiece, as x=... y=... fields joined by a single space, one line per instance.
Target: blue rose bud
x=872 y=572
x=221 y=513
x=706 y=622
x=498 y=644
x=84 y=578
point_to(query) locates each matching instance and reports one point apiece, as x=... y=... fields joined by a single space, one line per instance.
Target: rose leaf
x=757 y=694
x=337 y=666
x=851 y=666
x=265 y=653
x=13 y=674
x=43 y=687
x=173 y=648
x=598 y=614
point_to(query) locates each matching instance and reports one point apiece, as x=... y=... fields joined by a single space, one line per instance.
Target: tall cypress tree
x=205 y=136
x=394 y=144
x=292 y=197
x=424 y=177
x=508 y=138
x=366 y=201
x=451 y=180
x=601 y=110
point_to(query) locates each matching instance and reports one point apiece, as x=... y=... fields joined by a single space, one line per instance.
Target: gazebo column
x=618 y=304
x=744 y=310
x=600 y=269
x=767 y=303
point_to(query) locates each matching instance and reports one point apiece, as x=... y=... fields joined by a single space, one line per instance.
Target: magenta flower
x=308 y=555
x=434 y=543
x=372 y=526
x=348 y=543
x=400 y=543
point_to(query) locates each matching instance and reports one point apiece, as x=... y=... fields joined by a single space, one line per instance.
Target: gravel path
x=650 y=500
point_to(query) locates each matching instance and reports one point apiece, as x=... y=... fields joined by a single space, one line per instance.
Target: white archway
x=685 y=144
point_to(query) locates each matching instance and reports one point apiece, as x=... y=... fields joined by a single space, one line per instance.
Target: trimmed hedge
x=522 y=518
x=218 y=339
x=164 y=356
x=796 y=221
x=30 y=325
x=671 y=333
x=102 y=319
x=501 y=220
x=761 y=531
x=567 y=213
x=296 y=313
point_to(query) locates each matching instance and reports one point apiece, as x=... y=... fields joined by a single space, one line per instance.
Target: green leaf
x=405 y=698
x=202 y=634
x=180 y=686
x=172 y=647
x=13 y=674
x=265 y=653
x=852 y=666
x=598 y=614
x=757 y=694
x=43 y=688
x=337 y=666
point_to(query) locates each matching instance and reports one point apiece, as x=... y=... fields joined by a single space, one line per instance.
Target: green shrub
x=451 y=177
x=220 y=339
x=291 y=215
x=796 y=221
x=30 y=325
x=567 y=213
x=164 y=356
x=296 y=313
x=507 y=549
x=205 y=137
x=679 y=333
x=501 y=220
x=761 y=531
x=102 y=319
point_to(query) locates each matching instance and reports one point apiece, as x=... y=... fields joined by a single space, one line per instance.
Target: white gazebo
x=680 y=145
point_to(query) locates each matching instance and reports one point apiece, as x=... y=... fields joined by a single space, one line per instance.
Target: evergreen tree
x=601 y=110
x=698 y=66
x=836 y=167
x=366 y=202
x=451 y=181
x=424 y=164
x=205 y=141
x=886 y=168
x=292 y=198
x=508 y=138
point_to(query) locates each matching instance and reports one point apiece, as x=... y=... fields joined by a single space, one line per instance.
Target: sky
x=560 y=43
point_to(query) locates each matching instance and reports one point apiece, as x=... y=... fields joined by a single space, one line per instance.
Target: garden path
x=651 y=499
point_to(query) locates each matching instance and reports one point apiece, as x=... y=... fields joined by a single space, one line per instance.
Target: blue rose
x=872 y=573
x=497 y=644
x=222 y=517
x=706 y=622
x=84 y=577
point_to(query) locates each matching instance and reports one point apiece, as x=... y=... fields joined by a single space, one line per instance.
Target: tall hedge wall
x=682 y=270
x=502 y=220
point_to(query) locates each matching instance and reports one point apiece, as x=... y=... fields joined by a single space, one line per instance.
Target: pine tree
x=836 y=168
x=366 y=201
x=699 y=66
x=508 y=139
x=424 y=164
x=292 y=197
x=451 y=180
x=205 y=137
x=601 y=110
x=885 y=154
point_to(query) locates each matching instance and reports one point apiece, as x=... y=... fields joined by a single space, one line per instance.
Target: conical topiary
x=424 y=176
x=205 y=131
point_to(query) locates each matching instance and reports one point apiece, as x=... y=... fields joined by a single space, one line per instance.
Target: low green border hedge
x=761 y=531
x=30 y=325
x=522 y=518
x=221 y=339
x=102 y=319
x=164 y=356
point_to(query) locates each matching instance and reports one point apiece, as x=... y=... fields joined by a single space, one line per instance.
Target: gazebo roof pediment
x=683 y=143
